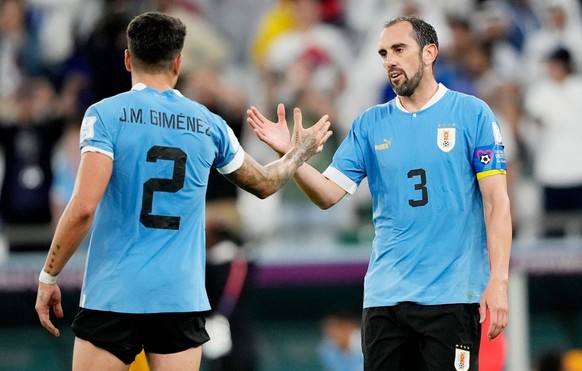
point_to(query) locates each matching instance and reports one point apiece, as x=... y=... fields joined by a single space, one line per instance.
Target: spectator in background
x=65 y=165
x=561 y=26
x=205 y=46
x=553 y=104
x=492 y=26
x=341 y=346
x=523 y=21
x=273 y=23
x=450 y=67
x=307 y=65
x=55 y=27
x=13 y=38
x=104 y=50
x=29 y=132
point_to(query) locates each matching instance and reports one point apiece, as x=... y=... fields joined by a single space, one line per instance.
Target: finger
x=254 y=118
x=281 y=113
x=258 y=115
x=328 y=134
x=45 y=321
x=298 y=118
x=494 y=331
x=324 y=139
x=58 y=309
x=52 y=329
x=496 y=324
x=253 y=123
x=324 y=120
x=482 y=313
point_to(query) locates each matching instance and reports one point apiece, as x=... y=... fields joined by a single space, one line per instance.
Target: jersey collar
x=141 y=86
x=441 y=91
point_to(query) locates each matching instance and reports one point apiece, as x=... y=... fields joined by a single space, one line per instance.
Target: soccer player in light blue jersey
x=435 y=164
x=141 y=185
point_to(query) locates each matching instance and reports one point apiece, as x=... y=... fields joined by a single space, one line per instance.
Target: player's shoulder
x=111 y=102
x=468 y=100
x=377 y=111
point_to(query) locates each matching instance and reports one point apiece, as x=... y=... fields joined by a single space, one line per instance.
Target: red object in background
x=493 y=353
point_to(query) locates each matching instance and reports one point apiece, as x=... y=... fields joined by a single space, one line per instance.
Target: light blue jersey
x=147 y=247
x=430 y=245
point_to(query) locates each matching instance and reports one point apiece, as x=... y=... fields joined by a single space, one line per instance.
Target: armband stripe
x=485 y=174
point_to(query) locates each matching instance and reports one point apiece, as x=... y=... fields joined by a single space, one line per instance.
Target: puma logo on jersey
x=385 y=145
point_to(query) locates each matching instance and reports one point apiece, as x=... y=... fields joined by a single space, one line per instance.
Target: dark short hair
x=424 y=33
x=154 y=39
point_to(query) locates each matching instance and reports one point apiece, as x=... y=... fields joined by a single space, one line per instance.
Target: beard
x=408 y=87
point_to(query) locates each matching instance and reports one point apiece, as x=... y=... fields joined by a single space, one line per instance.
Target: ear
x=127 y=60
x=429 y=54
x=177 y=63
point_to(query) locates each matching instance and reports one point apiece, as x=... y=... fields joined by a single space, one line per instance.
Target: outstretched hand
x=277 y=136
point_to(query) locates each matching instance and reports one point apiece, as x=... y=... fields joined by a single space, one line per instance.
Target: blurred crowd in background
x=523 y=57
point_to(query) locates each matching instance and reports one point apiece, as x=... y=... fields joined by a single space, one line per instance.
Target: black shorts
x=125 y=335
x=413 y=337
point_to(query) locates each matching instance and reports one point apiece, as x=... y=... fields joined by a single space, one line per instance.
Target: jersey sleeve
x=95 y=135
x=347 y=169
x=488 y=154
x=231 y=155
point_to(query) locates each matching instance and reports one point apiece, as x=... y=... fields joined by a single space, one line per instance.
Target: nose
x=388 y=61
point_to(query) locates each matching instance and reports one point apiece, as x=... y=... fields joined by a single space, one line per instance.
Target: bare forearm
x=321 y=191
x=69 y=234
x=499 y=237
x=263 y=181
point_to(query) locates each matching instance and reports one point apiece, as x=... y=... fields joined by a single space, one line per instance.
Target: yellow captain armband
x=485 y=174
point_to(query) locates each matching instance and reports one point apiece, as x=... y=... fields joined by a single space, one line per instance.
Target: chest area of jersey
x=421 y=140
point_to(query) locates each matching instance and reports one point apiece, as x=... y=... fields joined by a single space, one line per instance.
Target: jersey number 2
x=162 y=185
x=420 y=186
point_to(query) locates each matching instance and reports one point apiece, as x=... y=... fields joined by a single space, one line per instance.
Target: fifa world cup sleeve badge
x=462 y=358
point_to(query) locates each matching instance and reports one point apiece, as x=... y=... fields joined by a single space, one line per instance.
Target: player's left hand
x=49 y=295
x=494 y=301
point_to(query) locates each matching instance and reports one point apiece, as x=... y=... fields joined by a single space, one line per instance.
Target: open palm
x=275 y=135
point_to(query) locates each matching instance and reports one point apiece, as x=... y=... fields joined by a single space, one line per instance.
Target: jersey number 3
x=162 y=185
x=420 y=186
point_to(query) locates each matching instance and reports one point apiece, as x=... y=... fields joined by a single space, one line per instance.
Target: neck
x=158 y=81
x=423 y=93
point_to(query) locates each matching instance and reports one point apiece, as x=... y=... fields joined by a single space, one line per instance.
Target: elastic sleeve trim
x=341 y=180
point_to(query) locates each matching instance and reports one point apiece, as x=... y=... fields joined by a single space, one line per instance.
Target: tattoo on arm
x=263 y=181
x=53 y=256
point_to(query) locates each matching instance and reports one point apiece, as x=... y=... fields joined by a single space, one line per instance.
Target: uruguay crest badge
x=446 y=138
x=462 y=357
